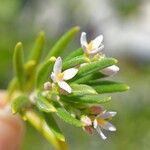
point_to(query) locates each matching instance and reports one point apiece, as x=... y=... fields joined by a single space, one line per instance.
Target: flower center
x=60 y=76
x=89 y=46
x=101 y=121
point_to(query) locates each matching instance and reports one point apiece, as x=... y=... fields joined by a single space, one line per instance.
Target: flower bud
x=47 y=86
x=111 y=70
x=95 y=110
x=86 y=120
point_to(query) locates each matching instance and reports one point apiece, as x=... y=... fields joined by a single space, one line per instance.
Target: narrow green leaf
x=89 y=77
x=44 y=105
x=58 y=48
x=106 y=86
x=20 y=103
x=29 y=66
x=13 y=85
x=44 y=71
x=66 y=116
x=75 y=53
x=86 y=99
x=36 y=52
x=18 y=65
x=81 y=89
x=74 y=62
x=53 y=126
x=95 y=66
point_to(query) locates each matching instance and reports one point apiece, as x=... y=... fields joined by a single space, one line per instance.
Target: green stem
x=38 y=122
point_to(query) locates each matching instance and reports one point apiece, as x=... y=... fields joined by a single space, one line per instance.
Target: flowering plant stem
x=37 y=122
x=72 y=88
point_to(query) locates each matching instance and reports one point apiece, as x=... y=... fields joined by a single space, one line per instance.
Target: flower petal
x=57 y=66
x=108 y=126
x=106 y=115
x=86 y=120
x=111 y=70
x=97 y=41
x=97 y=50
x=95 y=123
x=83 y=40
x=101 y=133
x=70 y=73
x=53 y=77
x=65 y=86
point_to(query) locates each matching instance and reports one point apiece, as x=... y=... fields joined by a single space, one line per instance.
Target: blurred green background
x=125 y=25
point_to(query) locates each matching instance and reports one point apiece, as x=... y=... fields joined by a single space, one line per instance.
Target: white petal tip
x=104 y=137
x=113 y=113
x=112 y=129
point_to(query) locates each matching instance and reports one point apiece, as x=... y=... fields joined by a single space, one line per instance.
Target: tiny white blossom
x=92 y=48
x=60 y=77
x=100 y=122
x=111 y=70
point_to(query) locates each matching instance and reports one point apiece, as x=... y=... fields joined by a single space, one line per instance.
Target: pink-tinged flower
x=87 y=124
x=111 y=70
x=86 y=120
x=60 y=77
x=100 y=122
x=92 y=48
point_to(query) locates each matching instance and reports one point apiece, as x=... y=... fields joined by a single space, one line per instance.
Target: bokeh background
x=125 y=25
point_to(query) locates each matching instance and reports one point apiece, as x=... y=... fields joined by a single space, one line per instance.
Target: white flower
x=100 y=122
x=92 y=48
x=111 y=70
x=59 y=77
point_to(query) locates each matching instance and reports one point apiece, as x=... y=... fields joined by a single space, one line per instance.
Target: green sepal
x=20 y=103
x=18 y=65
x=95 y=66
x=44 y=72
x=60 y=45
x=53 y=126
x=75 y=53
x=106 y=86
x=81 y=89
x=74 y=62
x=44 y=105
x=67 y=117
x=38 y=47
x=86 y=99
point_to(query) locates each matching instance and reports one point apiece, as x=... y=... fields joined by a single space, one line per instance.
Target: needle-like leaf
x=18 y=65
x=60 y=45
